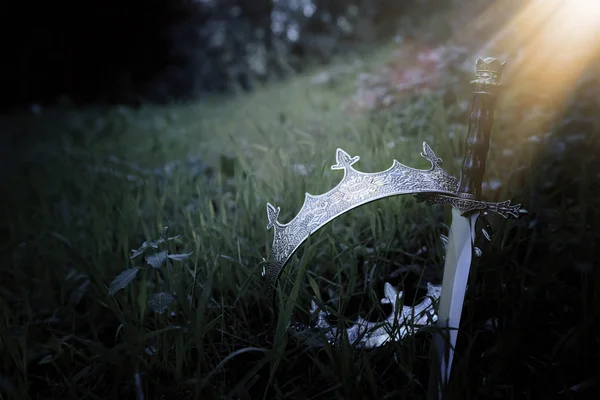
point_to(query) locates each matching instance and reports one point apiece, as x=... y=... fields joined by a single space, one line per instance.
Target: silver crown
x=401 y=322
x=433 y=185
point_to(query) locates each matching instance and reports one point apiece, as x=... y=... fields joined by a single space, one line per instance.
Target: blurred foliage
x=121 y=52
x=228 y=45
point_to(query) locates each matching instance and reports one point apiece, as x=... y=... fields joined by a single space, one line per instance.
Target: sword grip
x=481 y=120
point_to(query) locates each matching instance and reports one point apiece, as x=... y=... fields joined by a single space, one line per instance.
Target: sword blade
x=462 y=231
x=457 y=266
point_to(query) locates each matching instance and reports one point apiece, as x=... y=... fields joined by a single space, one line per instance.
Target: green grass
x=96 y=184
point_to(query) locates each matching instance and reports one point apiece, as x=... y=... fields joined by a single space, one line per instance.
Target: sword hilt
x=481 y=120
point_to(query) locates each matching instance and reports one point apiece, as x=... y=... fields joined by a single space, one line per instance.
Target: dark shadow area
x=132 y=52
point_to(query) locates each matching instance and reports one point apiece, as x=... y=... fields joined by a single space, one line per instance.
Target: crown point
x=272 y=215
x=429 y=155
x=343 y=160
x=341 y=154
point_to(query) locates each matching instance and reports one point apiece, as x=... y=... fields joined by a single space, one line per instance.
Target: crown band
x=358 y=188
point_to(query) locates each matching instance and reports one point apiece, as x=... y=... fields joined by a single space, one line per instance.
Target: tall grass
x=97 y=184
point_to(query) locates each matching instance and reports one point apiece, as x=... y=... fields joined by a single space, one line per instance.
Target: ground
x=190 y=318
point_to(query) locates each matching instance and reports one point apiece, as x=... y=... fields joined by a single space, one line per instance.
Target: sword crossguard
x=466 y=205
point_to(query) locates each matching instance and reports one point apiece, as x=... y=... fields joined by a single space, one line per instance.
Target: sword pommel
x=489 y=73
x=481 y=119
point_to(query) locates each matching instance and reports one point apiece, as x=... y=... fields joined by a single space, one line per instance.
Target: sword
x=433 y=185
x=461 y=237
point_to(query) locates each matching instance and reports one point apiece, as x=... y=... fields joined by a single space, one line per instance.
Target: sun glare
x=547 y=43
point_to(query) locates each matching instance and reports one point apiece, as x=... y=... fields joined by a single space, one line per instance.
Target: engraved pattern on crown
x=356 y=188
